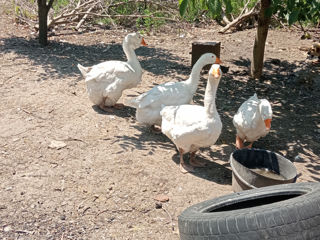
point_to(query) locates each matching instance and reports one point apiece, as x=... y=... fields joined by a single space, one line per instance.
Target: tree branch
x=241 y=18
x=53 y=21
x=83 y=18
x=49 y=5
x=128 y=16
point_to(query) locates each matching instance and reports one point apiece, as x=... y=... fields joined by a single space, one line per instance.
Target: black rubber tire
x=288 y=211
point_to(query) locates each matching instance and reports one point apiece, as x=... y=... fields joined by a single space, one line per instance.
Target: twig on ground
x=84 y=210
x=32 y=114
x=171 y=220
x=114 y=211
x=74 y=139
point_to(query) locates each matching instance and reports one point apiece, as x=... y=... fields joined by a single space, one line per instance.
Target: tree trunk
x=260 y=40
x=43 y=10
x=43 y=22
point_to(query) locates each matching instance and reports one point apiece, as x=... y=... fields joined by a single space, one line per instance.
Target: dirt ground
x=70 y=171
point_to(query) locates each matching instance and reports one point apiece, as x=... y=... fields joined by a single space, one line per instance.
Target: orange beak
x=143 y=42
x=267 y=122
x=218 y=61
x=215 y=72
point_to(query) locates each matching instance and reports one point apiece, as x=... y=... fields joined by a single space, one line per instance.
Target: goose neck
x=131 y=55
x=210 y=99
x=194 y=78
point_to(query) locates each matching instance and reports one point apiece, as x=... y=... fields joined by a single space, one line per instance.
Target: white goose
x=252 y=121
x=107 y=80
x=191 y=127
x=148 y=105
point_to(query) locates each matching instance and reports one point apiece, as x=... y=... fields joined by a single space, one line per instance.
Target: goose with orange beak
x=191 y=127
x=107 y=80
x=149 y=104
x=252 y=121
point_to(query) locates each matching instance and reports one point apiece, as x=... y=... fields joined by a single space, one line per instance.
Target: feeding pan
x=254 y=168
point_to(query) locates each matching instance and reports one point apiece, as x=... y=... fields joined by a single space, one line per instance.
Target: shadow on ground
x=144 y=140
x=213 y=172
x=292 y=89
x=61 y=58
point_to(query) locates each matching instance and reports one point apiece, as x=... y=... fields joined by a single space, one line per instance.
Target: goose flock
x=167 y=107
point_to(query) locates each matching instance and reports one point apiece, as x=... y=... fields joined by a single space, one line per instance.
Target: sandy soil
x=100 y=180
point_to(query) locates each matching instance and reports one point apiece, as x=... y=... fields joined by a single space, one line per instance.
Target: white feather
x=191 y=127
x=149 y=104
x=249 y=119
x=107 y=80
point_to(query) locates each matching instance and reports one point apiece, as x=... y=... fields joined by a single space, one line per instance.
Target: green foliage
x=214 y=6
x=183 y=6
x=124 y=7
x=290 y=11
x=149 y=23
x=59 y=4
x=297 y=10
x=192 y=9
x=24 y=11
x=228 y=5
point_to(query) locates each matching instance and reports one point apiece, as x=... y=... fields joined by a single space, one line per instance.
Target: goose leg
x=118 y=106
x=194 y=162
x=250 y=145
x=105 y=108
x=183 y=167
x=239 y=143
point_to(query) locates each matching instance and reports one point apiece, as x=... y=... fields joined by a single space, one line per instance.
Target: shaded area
x=60 y=59
x=294 y=92
x=126 y=112
x=292 y=88
x=143 y=140
x=213 y=172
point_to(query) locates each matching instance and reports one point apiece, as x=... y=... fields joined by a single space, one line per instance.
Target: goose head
x=134 y=40
x=208 y=58
x=215 y=73
x=266 y=112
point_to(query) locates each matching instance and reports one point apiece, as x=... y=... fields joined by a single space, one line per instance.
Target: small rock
x=63 y=217
x=298 y=158
x=57 y=144
x=158 y=205
x=161 y=198
x=7 y=228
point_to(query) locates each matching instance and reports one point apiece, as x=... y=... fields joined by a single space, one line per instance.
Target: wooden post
x=201 y=47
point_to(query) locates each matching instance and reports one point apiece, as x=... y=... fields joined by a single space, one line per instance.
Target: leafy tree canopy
x=288 y=10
